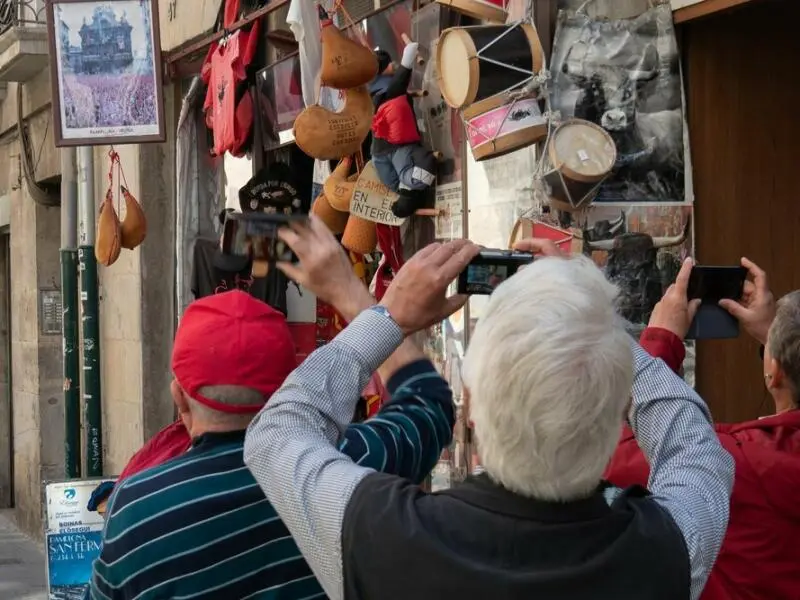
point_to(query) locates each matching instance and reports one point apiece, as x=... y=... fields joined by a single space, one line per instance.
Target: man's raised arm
x=691 y=475
x=291 y=446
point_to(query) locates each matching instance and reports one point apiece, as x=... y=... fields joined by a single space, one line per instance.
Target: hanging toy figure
x=402 y=162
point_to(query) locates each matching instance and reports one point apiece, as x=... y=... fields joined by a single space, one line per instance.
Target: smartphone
x=710 y=285
x=489 y=269
x=255 y=236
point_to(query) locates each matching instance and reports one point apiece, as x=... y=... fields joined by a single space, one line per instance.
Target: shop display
x=499 y=125
x=113 y=235
x=107 y=246
x=279 y=100
x=483 y=10
x=582 y=155
x=624 y=75
x=360 y=236
x=475 y=63
x=229 y=103
x=335 y=220
x=345 y=63
x=328 y=135
x=133 y=228
x=403 y=164
x=339 y=186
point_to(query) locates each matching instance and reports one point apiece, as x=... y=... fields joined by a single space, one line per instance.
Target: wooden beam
x=206 y=41
x=705 y=8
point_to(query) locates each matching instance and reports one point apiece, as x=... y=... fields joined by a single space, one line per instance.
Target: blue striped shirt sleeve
x=691 y=474
x=409 y=433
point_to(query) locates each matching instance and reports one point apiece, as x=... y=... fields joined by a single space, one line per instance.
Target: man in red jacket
x=760 y=555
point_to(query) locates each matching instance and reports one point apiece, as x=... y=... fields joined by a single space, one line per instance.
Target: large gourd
x=133 y=229
x=327 y=135
x=345 y=64
x=107 y=245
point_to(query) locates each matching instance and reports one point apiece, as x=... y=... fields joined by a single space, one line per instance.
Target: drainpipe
x=69 y=304
x=89 y=311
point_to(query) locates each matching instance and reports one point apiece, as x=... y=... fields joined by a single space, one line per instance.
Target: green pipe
x=71 y=360
x=91 y=362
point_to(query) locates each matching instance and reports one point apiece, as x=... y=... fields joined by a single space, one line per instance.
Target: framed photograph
x=105 y=70
x=280 y=98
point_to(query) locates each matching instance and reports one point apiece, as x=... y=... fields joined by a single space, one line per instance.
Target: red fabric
x=232 y=339
x=395 y=122
x=168 y=443
x=760 y=554
x=390 y=242
x=231 y=13
x=225 y=65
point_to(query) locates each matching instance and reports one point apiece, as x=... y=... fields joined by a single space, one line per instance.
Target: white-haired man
x=549 y=373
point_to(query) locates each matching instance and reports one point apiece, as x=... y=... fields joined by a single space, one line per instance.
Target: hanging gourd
x=345 y=63
x=134 y=225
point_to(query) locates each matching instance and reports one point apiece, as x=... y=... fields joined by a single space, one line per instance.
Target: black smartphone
x=255 y=235
x=710 y=285
x=489 y=269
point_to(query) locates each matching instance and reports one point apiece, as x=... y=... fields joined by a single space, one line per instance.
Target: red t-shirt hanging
x=224 y=67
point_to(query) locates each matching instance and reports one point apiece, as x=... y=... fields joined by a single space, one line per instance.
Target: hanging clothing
x=228 y=105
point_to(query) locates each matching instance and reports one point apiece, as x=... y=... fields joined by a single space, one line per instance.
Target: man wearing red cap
x=199 y=525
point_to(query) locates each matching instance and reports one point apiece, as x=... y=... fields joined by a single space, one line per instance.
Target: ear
x=179 y=398
x=775 y=375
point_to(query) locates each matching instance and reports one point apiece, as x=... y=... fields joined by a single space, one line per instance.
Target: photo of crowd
x=107 y=71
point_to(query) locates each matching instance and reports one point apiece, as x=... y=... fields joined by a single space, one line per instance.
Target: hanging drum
x=475 y=63
x=499 y=125
x=582 y=155
x=485 y=10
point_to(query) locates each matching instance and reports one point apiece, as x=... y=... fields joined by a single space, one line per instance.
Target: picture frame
x=105 y=72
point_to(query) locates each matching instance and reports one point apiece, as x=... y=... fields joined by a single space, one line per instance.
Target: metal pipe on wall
x=70 y=309
x=90 y=309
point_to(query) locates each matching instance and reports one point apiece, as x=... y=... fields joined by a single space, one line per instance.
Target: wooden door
x=743 y=93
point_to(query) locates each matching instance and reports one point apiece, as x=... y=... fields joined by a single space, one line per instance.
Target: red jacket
x=760 y=556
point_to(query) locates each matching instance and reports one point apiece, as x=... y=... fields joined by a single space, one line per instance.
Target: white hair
x=549 y=369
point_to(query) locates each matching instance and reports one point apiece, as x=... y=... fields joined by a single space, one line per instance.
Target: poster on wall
x=624 y=75
x=73 y=537
x=105 y=72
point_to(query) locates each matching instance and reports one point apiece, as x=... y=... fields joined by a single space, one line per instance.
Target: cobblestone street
x=22 y=571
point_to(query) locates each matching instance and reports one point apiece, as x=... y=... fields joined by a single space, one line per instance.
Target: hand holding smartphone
x=489 y=269
x=710 y=285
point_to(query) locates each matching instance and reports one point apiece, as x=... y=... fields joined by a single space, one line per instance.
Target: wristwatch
x=381 y=310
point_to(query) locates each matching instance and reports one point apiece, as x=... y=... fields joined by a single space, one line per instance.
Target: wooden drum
x=475 y=63
x=582 y=155
x=497 y=126
x=485 y=10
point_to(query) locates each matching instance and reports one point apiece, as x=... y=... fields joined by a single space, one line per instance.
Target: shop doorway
x=744 y=131
x=6 y=412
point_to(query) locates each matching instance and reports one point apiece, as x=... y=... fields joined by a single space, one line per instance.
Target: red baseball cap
x=232 y=339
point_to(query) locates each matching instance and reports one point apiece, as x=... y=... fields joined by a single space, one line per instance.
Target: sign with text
x=73 y=536
x=372 y=199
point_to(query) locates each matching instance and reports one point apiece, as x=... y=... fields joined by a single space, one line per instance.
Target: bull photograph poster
x=624 y=75
x=105 y=72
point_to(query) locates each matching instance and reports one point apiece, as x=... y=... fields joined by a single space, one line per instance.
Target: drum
x=497 y=126
x=582 y=155
x=485 y=10
x=475 y=63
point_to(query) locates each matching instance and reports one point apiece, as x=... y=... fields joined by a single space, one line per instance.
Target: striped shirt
x=290 y=448
x=200 y=527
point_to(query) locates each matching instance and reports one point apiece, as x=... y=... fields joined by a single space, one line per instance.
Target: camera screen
x=258 y=240
x=483 y=279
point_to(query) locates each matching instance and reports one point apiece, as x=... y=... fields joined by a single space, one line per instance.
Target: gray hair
x=784 y=340
x=233 y=395
x=549 y=369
